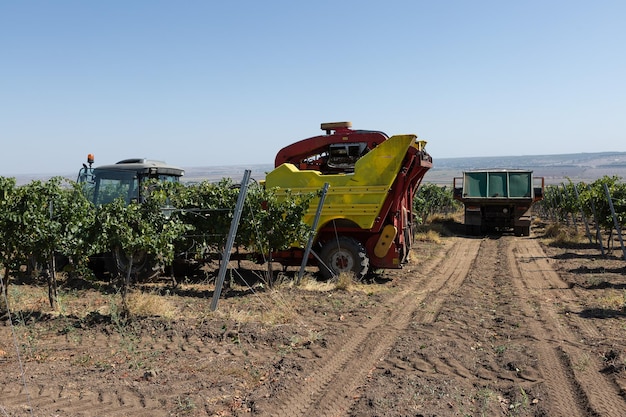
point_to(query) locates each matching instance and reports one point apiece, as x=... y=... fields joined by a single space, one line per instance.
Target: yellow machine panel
x=356 y=196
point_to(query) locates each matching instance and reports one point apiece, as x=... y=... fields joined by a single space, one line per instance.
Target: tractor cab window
x=168 y=178
x=85 y=175
x=87 y=181
x=111 y=184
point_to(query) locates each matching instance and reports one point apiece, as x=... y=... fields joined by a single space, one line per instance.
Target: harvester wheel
x=344 y=254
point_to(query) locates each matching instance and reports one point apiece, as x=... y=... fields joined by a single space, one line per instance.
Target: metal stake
x=307 y=250
x=234 y=224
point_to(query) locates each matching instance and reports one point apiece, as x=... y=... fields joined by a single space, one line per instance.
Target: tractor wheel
x=143 y=268
x=344 y=254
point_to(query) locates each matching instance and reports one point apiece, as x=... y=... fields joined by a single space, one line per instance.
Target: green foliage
x=207 y=209
x=9 y=225
x=74 y=217
x=271 y=221
x=432 y=199
x=595 y=195
x=549 y=206
x=40 y=220
x=275 y=220
x=137 y=228
x=9 y=234
x=561 y=201
x=44 y=219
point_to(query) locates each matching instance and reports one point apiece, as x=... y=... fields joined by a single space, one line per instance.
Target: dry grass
x=561 y=235
x=259 y=303
x=269 y=307
x=344 y=281
x=278 y=305
x=438 y=226
x=275 y=308
x=429 y=235
x=28 y=298
x=309 y=283
x=272 y=314
x=150 y=305
x=457 y=217
x=614 y=300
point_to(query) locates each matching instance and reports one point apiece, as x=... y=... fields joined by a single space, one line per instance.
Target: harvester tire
x=343 y=255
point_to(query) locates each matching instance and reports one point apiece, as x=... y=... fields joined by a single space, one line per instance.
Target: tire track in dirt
x=111 y=399
x=329 y=391
x=531 y=260
x=454 y=273
x=78 y=400
x=572 y=376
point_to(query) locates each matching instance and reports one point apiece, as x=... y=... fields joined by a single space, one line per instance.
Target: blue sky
x=207 y=83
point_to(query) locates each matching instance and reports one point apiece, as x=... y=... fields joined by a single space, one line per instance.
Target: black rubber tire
x=143 y=268
x=344 y=254
x=473 y=230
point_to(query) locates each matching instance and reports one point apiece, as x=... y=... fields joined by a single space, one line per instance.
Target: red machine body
x=336 y=151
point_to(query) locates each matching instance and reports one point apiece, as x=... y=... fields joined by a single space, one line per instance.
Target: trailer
x=498 y=199
x=367 y=221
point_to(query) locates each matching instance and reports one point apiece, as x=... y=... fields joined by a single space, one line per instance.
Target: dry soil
x=473 y=326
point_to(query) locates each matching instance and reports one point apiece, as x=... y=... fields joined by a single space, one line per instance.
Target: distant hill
x=554 y=168
x=197 y=174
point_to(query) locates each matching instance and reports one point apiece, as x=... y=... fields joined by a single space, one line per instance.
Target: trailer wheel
x=522 y=230
x=344 y=254
x=473 y=230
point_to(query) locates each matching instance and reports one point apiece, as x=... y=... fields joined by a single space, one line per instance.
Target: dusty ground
x=491 y=326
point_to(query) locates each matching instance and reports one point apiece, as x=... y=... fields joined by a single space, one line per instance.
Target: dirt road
x=475 y=327
x=508 y=338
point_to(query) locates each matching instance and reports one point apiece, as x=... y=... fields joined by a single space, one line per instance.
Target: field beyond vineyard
x=488 y=326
